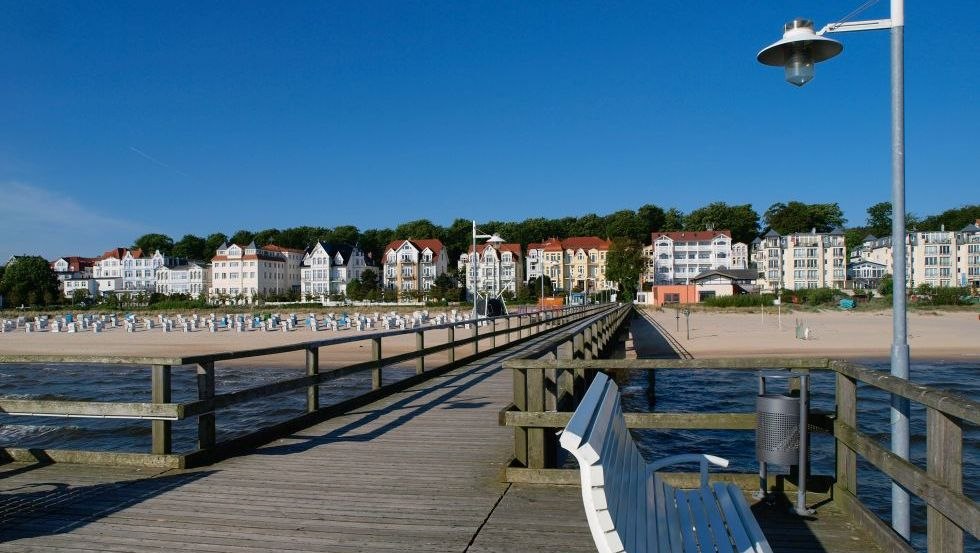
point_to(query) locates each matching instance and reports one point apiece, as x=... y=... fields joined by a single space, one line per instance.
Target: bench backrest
x=616 y=488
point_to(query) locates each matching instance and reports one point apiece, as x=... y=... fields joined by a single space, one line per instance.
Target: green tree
x=29 y=280
x=742 y=220
x=674 y=220
x=355 y=290
x=369 y=279
x=374 y=241
x=419 y=229
x=886 y=285
x=150 y=243
x=443 y=287
x=952 y=219
x=801 y=217
x=242 y=237
x=211 y=244
x=346 y=234
x=266 y=237
x=880 y=219
x=653 y=219
x=624 y=263
x=534 y=286
x=625 y=223
x=192 y=247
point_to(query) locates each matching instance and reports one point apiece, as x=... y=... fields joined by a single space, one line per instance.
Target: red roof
x=76 y=263
x=572 y=243
x=116 y=253
x=433 y=244
x=692 y=235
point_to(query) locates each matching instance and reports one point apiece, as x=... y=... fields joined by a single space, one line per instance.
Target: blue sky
x=125 y=118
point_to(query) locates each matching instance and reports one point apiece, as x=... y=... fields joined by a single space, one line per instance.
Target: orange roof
x=692 y=235
x=116 y=253
x=585 y=243
x=275 y=248
x=512 y=248
x=549 y=245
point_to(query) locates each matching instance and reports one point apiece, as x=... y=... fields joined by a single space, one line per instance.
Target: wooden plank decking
x=418 y=471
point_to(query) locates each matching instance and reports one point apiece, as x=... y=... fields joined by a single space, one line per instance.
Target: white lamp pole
x=475 y=265
x=797 y=52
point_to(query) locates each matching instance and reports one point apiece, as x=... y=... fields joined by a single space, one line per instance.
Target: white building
x=678 y=257
x=135 y=270
x=801 y=260
x=937 y=258
x=247 y=272
x=500 y=266
x=191 y=279
x=326 y=269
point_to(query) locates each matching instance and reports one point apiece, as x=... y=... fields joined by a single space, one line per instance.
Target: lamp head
x=798 y=50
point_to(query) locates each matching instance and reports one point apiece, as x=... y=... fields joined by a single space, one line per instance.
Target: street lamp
x=798 y=50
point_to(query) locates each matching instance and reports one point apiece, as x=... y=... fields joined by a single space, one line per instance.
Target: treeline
x=744 y=222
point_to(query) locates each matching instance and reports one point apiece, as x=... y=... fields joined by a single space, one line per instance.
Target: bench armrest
x=701 y=459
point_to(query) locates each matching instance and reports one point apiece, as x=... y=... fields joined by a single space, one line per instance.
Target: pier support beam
x=312 y=369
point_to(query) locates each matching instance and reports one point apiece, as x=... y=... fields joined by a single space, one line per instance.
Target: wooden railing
x=538 y=386
x=161 y=411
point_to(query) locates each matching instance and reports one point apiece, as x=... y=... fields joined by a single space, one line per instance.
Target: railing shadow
x=454 y=386
x=47 y=508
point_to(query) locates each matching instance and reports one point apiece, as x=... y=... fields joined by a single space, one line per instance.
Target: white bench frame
x=630 y=508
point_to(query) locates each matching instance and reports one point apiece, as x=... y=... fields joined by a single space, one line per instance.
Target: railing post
x=846 y=477
x=476 y=337
x=312 y=369
x=452 y=343
x=493 y=333
x=419 y=346
x=520 y=402
x=162 y=443
x=564 y=377
x=376 y=356
x=536 y=449
x=206 y=435
x=507 y=327
x=944 y=462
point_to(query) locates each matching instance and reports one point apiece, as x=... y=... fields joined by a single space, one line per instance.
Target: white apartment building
x=73 y=267
x=413 y=265
x=326 y=269
x=740 y=256
x=192 y=279
x=801 y=260
x=500 y=268
x=678 y=257
x=246 y=272
x=135 y=271
x=70 y=284
x=938 y=258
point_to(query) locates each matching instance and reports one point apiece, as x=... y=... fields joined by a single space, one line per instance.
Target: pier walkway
x=420 y=470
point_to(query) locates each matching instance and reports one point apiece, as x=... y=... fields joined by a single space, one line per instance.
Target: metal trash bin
x=781 y=430
x=777 y=429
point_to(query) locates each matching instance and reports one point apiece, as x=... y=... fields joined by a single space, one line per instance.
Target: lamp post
x=475 y=265
x=798 y=51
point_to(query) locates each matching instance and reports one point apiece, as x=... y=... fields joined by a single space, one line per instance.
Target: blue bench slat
x=742 y=542
x=712 y=511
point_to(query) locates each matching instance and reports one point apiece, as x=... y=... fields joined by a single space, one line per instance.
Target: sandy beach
x=948 y=336
x=153 y=343
x=855 y=335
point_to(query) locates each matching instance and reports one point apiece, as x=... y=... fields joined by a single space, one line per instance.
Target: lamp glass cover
x=799 y=68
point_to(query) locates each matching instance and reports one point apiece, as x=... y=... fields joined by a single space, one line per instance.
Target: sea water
x=676 y=391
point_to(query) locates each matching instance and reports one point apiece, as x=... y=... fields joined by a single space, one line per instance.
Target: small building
x=411 y=266
x=725 y=282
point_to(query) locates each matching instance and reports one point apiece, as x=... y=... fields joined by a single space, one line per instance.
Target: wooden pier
x=423 y=468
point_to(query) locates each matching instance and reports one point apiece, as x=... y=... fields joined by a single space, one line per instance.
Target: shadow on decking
x=453 y=386
x=48 y=508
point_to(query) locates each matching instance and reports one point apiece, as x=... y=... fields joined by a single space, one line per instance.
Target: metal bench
x=630 y=508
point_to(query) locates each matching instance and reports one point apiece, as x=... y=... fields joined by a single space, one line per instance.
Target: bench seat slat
x=718 y=527
x=741 y=537
x=748 y=521
x=688 y=539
